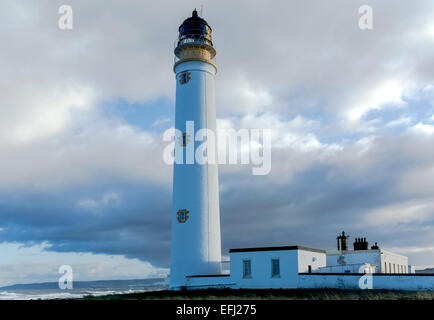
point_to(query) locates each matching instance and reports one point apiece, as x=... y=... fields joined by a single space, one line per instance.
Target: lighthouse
x=195 y=237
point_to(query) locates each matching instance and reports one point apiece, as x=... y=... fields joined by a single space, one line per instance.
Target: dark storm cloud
x=136 y=224
x=332 y=195
x=307 y=208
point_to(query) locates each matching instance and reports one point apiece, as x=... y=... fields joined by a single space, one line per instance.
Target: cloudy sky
x=82 y=113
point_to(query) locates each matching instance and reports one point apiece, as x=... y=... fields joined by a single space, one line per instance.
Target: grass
x=272 y=294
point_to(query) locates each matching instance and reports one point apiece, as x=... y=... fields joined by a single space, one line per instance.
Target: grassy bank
x=279 y=294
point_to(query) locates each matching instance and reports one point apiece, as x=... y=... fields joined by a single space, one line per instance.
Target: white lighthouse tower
x=195 y=243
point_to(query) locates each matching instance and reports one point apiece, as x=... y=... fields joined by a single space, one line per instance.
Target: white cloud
x=51 y=114
x=422 y=129
x=107 y=198
x=364 y=144
x=242 y=95
x=160 y=122
x=403 y=120
x=387 y=92
x=296 y=133
x=74 y=158
x=401 y=213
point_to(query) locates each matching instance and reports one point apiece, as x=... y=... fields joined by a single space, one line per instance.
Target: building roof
x=353 y=251
x=378 y=251
x=386 y=275
x=209 y=275
x=284 y=248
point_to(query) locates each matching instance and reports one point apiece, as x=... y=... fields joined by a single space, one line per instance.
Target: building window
x=275 y=268
x=385 y=267
x=247 y=268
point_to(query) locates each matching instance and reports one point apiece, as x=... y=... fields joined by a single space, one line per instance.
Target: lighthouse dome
x=195 y=29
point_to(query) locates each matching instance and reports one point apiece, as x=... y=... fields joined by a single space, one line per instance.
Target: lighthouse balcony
x=194 y=49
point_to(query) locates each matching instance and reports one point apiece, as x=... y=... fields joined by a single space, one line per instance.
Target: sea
x=51 y=290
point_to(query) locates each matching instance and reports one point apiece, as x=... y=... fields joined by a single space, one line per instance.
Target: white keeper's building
x=297 y=267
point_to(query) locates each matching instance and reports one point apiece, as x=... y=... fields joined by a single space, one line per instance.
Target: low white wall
x=209 y=282
x=379 y=281
x=317 y=281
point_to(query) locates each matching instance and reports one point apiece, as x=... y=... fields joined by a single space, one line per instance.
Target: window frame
x=273 y=275
x=245 y=275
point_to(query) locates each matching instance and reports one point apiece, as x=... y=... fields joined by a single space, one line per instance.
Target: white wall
x=349 y=268
x=314 y=259
x=261 y=269
x=374 y=257
x=380 y=281
x=395 y=262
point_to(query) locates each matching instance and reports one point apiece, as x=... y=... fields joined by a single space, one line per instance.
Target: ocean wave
x=70 y=294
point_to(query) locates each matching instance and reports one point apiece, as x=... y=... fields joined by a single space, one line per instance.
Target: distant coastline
x=87 y=284
x=51 y=290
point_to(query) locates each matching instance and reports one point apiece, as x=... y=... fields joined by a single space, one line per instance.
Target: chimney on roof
x=342 y=242
x=360 y=244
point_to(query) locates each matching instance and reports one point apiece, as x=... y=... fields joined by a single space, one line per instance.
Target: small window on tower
x=183 y=139
x=247 y=268
x=184 y=77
